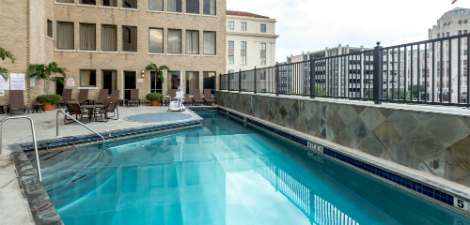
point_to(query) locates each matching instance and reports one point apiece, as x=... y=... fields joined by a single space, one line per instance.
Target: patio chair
x=66 y=97
x=17 y=101
x=82 y=97
x=110 y=107
x=197 y=97
x=173 y=95
x=115 y=96
x=75 y=109
x=134 y=99
x=187 y=100
x=208 y=96
x=102 y=96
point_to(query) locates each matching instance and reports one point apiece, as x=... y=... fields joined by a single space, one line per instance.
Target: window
x=230 y=25
x=263 y=28
x=209 y=43
x=465 y=32
x=192 y=82
x=174 y=41
x=173 y=80
x=230 y=59
x=87 y=36
x=460 y=32
x=155 y=87
x=87 y=78
x=209 y=81
x=230 y=45
x=111 y=3
x=88 y=2
x=109 y=80
x=438 y=35
x=108 y=38
x=65 y=36
x=174 y=5
x=243 y=45
x=230 y=71
x=448 y=34
x=129 y=39
x=156 y=5
x=464 y=52
x=155 y=40
x=263 y=61
x=209 y=7
x=243 y=60
x=129 y=4
x=263 y=47
x=192 y=42
x=49 y=28
x=243 y=26
x=192 y=6
x=65 y=1
x=443 y=35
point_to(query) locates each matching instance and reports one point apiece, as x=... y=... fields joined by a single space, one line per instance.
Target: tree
x=3 y=55
x=158 y=72
x=46 y=73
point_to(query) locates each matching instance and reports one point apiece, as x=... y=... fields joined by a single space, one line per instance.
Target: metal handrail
x=67 y=115
x=34 y=140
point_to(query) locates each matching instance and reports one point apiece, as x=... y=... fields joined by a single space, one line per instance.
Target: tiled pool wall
x=434 y=143
x=429 y=191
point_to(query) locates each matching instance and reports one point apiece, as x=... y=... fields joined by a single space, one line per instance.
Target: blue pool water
x=222 y=173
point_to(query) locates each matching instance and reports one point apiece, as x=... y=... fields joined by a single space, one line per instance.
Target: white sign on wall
x=32 y=82
x=4 y=84
x=17 y=81
x=70 y=82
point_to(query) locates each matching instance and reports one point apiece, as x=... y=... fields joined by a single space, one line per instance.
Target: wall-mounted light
x=143 y=73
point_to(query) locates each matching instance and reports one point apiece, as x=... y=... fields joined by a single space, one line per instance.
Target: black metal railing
x=427 y=72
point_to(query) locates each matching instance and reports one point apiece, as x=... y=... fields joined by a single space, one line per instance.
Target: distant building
x=251 y=41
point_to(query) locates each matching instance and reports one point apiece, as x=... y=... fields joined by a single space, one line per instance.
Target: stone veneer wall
x=435 y=143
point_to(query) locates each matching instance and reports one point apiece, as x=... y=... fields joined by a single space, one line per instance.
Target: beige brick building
x=108 y=43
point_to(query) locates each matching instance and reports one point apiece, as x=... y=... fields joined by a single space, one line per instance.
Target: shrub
x=53 y=99
x=154 y=97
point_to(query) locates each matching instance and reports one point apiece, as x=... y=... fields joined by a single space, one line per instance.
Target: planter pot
x=155 y=103
x=48 y=106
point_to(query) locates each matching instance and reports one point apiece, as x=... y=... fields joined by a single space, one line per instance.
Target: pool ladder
x=35 y=145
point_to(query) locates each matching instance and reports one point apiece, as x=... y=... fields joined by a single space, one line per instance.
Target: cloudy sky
x=310 y=25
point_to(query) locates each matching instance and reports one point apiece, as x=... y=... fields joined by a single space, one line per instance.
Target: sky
x=312 y=25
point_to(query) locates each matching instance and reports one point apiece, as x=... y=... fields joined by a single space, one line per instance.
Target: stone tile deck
x=14 y=208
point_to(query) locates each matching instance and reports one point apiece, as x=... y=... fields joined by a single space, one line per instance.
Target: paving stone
x=359 y=129
x=447 y=129
x=424 y=144
x=403 y=122
x=403 y=154
x=422 y=117
x=372 y=118
x=346 y=138
x=386 y=134
x=347 y=114
x=461 y=151
x=445 y=165
x=372 y=146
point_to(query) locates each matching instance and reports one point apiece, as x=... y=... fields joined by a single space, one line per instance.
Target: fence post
x=254 y=84
x=220 y=82
x=228 y=81
x=312 y=77
x=240 y=81
x=378 y=74
x=277 y=79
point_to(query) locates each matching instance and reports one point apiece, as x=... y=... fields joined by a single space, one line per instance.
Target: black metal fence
x=427 y=72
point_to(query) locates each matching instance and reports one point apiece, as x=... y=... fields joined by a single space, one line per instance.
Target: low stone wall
x=433 y=142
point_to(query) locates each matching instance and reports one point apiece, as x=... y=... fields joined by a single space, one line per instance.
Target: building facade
x=251 y=41
x=108 y=43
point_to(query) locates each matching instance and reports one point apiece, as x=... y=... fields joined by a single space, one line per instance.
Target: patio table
x=91 y=110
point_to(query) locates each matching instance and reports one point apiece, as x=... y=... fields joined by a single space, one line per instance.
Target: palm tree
x=158 y=72
x=46 y=73
x=6 y=54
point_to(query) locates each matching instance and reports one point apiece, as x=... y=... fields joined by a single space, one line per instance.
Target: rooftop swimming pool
x=222 y=173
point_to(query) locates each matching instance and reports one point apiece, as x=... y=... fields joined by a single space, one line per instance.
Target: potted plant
x=154 y=98
x=46 y=73
x=158 y=72
x=49 y=101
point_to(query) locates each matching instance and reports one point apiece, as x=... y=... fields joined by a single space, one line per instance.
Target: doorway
x=59 y=87
x=109 y=80
x=129 y=83
x=174 y=79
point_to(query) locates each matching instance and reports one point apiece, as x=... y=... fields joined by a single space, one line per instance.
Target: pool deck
x=14 y=208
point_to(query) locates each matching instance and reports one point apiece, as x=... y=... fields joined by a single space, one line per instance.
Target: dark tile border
x=408 y=184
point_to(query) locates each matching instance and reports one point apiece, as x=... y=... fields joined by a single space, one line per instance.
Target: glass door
x=129 y=83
